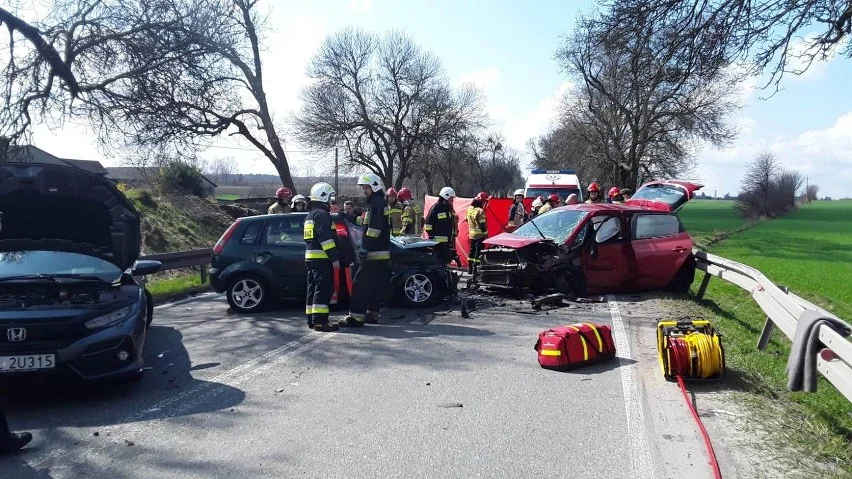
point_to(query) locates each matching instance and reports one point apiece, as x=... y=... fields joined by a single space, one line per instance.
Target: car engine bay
x=23 y=296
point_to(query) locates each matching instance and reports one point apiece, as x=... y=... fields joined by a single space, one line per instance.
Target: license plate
x=27 y=362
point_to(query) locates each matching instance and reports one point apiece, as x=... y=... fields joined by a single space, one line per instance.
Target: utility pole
x=336 y=186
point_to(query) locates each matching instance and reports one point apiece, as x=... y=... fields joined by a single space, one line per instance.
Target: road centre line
x=640 y=452
x=196 y=395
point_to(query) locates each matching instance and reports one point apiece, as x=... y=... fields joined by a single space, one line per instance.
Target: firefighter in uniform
x=517 y=213
x=321 y=258
x=395 y=212
x=477 y=229
x=370 y=278
x=594 y=193
x=282 y=204
x=11 y=441
x=412 y=214
x=551 y=202
x=441 y=225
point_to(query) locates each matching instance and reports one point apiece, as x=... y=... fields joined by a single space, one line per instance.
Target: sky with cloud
x=506 y=47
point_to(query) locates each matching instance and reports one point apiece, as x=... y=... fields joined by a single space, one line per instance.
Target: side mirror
x=145 y=267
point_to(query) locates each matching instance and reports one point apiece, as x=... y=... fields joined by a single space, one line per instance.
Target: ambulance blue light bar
x=542 y=171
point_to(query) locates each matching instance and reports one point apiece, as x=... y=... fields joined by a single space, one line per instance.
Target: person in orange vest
x=395 y=211
x=412 y=214
x=594 y=193
x=477 y=229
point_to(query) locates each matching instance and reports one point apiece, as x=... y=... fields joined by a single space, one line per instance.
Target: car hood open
x=63 y=208
x=512 y=241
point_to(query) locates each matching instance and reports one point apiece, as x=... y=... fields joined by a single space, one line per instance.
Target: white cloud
x=799 y=53
x=360 y=6
x=825 y=156
x=536 y=122
x=484 y=79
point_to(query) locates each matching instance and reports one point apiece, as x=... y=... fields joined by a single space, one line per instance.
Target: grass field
x=227 y=197
x=810 y=251
x=161 y=287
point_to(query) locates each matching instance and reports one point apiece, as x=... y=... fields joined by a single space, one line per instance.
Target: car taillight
x=220 y=245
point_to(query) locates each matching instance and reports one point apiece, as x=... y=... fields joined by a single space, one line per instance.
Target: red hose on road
x=710 y=452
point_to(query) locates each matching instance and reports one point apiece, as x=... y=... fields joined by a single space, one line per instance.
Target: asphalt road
x=421 y=395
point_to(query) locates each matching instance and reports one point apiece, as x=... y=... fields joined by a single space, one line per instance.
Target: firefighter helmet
x=613 y=192
x=482 y=196
x=283 y=192
x=594 y=187
x=322 y=192
x=404 y=194
x=447 y=193
x=372 y=180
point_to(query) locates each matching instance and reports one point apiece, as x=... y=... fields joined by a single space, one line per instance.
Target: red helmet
x=391 y=192
x=613 y=192
x=482 y=196
x=404 y=194
x=283 y=192
x=594 y=187
x=553 y=197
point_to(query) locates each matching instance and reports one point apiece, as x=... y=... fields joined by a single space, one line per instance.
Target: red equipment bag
x=566 y=347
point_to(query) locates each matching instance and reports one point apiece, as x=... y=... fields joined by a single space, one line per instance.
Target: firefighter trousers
x=369 y=285
x=320 y=288
x=473 y=257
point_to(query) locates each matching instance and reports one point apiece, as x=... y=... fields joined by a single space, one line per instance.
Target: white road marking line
x=640 y=452
x=196 y=395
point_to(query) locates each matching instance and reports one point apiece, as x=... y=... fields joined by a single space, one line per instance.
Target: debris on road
x=129 y=443
x=450 y=405
x=96 y=434
x=277 y=391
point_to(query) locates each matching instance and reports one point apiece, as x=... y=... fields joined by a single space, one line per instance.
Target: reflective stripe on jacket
x=320 y=236
x=412 y=219
x=375 y=242
x=395 y=218
x=476 y=225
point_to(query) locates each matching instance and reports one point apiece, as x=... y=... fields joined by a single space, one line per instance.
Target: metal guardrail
x=184 y=259
x=783 y=310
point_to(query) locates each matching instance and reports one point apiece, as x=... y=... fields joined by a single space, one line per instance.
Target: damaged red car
x=598 y=248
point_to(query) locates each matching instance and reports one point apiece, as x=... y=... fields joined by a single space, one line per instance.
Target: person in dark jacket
x=11 y=441
x=441 y=225
x=321 y=258
x=370 y=276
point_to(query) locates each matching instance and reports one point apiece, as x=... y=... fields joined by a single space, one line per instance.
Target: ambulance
x=541 y=182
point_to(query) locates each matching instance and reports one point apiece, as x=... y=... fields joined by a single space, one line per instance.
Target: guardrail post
x=203 y=274
x=699 y=296
x=766 y=334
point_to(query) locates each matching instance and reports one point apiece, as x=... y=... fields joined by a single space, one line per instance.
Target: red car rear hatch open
x=664 y=195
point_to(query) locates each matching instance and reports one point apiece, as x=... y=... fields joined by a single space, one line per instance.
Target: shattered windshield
x=556 y=225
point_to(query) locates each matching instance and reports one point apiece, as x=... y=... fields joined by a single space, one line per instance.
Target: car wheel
x=684 y=278
x=247 y=293
x=569 y=282
x=417 y=290
x=149 y=304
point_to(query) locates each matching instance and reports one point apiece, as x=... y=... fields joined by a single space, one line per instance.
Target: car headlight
x=109 y=319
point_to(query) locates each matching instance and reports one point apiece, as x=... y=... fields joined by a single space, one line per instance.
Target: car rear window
x=655 y=226
x=251 y=234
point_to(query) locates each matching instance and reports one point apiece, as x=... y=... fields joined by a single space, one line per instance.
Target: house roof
x=131 y=173
x=32 y=154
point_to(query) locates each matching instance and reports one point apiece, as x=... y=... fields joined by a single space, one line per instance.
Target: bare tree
x=221 y=169
x=383 y=98
x=173 y=71
x=813 y=191
x=647 y=95
x=767 y=189
x=763 y=33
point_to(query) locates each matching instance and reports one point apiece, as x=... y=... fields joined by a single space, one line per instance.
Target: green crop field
x=228 y=197
x=708 y=219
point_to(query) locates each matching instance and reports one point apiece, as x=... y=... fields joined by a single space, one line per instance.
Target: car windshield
x=556 y=225
x=25 y=263
x=563 y=193
x=663 y=193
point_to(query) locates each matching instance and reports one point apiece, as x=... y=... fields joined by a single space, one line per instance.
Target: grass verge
x=809 y=251
x=169 y=289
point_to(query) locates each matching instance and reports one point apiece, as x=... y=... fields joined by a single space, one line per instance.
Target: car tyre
x=247 y=293
x=570 y=282
x=683 y=278
x=418 y=289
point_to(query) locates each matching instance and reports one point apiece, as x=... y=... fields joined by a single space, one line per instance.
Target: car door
x=661 y=245
x=607 y=259
x=282 y=249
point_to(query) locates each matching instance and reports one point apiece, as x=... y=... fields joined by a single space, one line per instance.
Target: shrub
x=147 y=199
x=182 y=179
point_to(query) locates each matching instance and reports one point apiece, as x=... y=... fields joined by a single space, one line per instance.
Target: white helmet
x=372 y=180
x=447 y=193
x=519 y=193
x=322 y=192
x=297 y=199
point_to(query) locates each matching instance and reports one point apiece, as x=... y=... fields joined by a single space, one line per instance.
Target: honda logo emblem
x=16 y=335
